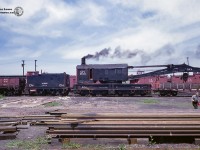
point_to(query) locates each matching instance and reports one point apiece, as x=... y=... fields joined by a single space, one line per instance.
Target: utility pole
x=188 y=60
x=23 y=66
x=35 y=64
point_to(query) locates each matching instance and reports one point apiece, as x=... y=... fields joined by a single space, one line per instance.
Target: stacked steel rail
x=181 y=127
x=11 y=125
x=61 y=125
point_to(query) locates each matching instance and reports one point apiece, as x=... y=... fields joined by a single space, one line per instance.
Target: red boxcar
x=155 y=81
x=12 y=85
x=73 y=80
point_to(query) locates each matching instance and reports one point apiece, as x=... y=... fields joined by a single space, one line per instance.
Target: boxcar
x=12 y=85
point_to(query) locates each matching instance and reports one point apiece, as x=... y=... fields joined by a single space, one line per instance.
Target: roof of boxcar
x=12 y=76
x=102 y=66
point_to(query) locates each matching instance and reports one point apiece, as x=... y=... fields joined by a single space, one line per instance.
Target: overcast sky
x=58 y=33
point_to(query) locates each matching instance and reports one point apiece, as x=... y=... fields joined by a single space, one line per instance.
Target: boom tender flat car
x=170 y=85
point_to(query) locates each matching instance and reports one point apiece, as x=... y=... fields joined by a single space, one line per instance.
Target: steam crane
x=171 y=68
x=108 y=79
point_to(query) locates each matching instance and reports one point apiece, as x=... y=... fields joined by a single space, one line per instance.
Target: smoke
x=88 y=56
x=166 y=54
x=197 y=52
x=118 y=53
x=167 y=49
x=103 y=53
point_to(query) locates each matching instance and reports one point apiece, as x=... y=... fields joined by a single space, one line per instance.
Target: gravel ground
x=27 y=105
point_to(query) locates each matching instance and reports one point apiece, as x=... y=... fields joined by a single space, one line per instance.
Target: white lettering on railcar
x=82 y=72
x=61 y=85
x=31 y=85
x=44 y=83
x=150 y=80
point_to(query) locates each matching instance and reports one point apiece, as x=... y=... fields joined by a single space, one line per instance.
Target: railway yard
x=98 y=123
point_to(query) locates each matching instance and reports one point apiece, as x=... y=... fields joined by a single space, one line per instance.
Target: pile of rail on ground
x=112 y=125
x=11 y=125
x=107 y=125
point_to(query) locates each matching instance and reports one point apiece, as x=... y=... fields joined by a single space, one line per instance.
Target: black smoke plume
x=166 y=54
x=88 y=56
x=103 y=53
x=118 y=53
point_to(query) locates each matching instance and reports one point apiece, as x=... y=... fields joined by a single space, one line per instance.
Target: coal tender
x=48 y=84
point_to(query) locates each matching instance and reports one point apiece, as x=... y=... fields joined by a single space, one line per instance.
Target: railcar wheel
x=53 y=93
x=162 y=94
x=104 y=93
x=66 y=93
x=57 y=93
x=174 y=93
x=93 y=94
x=131 y=93
x=119 y=93
x=82 y=93
x=142 y=94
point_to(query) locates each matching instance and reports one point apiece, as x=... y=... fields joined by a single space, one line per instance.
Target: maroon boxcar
x=12 y=85
x=155 y=81
x=73 y=80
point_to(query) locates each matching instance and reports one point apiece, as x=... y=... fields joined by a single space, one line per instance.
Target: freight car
x=12 y=85
x=106 y=79
x=73 y=81
x=47 y=83
x=176 y=85
x=172 y=89
x=171 y=85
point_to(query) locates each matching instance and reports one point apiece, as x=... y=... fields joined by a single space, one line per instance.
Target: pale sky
x=58 y=33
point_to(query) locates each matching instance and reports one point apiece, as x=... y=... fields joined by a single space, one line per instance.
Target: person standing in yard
x=195 y=100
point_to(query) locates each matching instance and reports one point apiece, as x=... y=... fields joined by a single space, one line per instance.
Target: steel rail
x=8 y=129
x=126 y=115
x=9 y=123
x=7 y=136
x=59 y=123
x=124 y=135
x=123 y=131
x=137 y=119
x=126 y=128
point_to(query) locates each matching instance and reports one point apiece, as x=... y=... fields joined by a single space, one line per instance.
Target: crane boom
x=169 y=69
